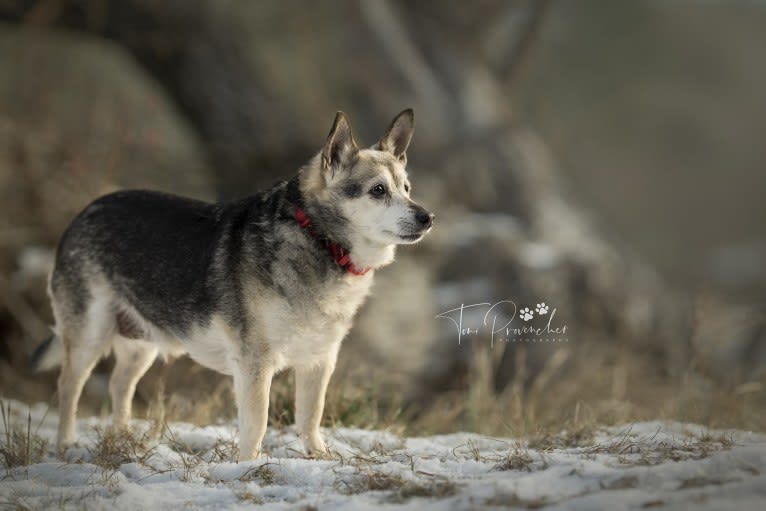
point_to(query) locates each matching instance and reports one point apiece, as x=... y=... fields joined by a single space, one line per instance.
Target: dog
x=247 y=288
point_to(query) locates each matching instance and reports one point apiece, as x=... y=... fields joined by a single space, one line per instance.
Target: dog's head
x=370 y=187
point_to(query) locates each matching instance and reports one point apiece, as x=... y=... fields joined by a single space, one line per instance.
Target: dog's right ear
x=340 y=143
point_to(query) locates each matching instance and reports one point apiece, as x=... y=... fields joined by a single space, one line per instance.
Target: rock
x=78 y=118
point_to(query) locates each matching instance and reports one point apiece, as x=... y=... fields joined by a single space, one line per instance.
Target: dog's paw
x=249 y=452
x=316 y=448
x=250 y=456
x=325 y=454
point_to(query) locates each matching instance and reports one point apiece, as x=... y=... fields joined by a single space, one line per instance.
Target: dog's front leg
x=251 y=386
x=310 y=389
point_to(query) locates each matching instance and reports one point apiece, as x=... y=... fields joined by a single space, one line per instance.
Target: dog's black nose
x=424 y=218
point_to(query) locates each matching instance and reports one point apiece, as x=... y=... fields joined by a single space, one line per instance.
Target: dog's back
x=153 y=249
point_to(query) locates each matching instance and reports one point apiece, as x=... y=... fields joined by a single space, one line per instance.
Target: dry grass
x=633 y=450
x=581 y=387
x=435 y=489
x=576 y=437
x=621 y=483
x=19 y=444
x=398 y=489
x=222 y=450
x=516 y=459
x=353 y=400
x=702 y=481
x=593 y=385
x=261 y=473
x=371 y=480
x=249 y=497
x=113 y=448
x=512 y=500
x=584 y=387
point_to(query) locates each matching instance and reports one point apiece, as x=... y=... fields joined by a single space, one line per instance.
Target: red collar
x=337 y=252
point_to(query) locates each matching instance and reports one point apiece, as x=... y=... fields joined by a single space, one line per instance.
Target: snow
x=647 y=465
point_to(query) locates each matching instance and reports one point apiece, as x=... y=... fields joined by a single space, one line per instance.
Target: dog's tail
x=48 y=355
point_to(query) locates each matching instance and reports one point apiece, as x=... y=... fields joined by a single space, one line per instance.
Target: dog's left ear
x=397 y=138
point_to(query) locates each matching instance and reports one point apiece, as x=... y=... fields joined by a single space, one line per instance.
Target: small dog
x=247 y=288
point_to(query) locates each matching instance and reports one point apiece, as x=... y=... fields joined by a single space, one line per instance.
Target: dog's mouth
x=407 y=238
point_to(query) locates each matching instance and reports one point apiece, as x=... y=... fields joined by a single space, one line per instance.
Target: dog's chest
x=307 y=327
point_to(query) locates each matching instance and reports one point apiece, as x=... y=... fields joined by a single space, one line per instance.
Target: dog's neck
x=365 y=254
x=369 y=254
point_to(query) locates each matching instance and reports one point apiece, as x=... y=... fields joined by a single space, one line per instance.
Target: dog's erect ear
x=399 y=134
x=340 y=143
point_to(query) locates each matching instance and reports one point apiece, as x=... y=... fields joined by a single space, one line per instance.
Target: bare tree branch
x=404 y=54
x=510 y=41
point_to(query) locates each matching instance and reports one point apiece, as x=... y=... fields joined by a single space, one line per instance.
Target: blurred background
x=606 y=158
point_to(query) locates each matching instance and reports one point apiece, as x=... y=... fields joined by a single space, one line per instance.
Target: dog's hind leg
x=133 y=358
x=78 y=363
x=86 y=338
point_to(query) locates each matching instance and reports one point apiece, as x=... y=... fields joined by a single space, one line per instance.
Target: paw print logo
x=526 y=314
x=542 y=309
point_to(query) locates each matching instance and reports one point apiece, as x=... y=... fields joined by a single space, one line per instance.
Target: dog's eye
x=407 y=188
x=378 y=191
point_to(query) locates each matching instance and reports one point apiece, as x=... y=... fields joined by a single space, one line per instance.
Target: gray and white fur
x=239 y=286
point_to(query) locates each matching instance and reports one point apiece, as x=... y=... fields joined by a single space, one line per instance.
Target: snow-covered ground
x=644 y=465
